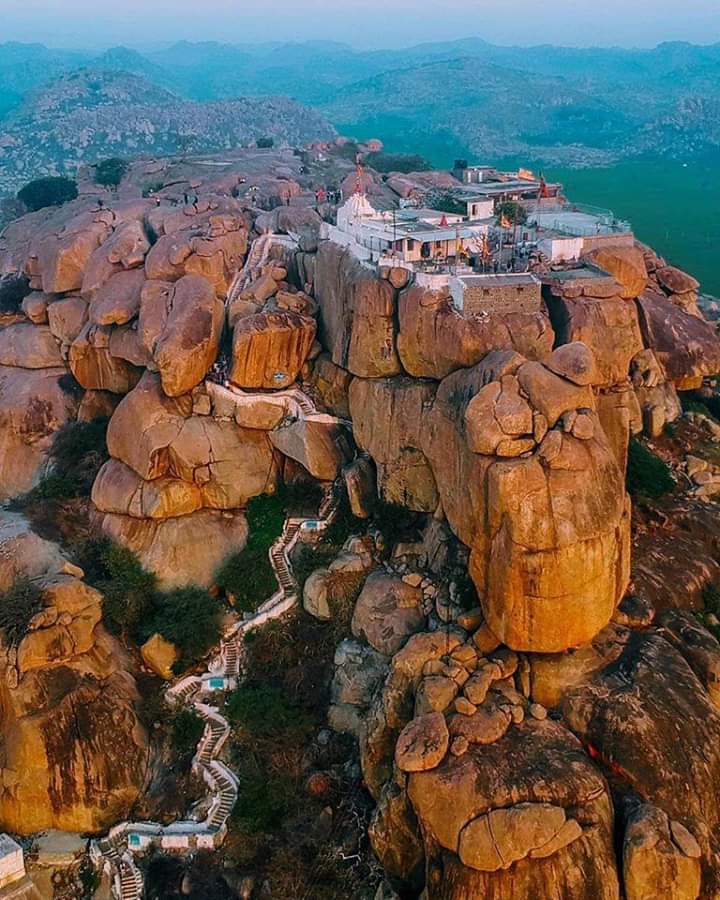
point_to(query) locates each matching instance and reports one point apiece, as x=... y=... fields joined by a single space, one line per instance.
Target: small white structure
x=422 y=239
x=479 y=208
x=12 y=863
x=562 y=248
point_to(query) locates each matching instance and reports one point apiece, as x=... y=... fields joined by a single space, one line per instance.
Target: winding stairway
x=115 y=852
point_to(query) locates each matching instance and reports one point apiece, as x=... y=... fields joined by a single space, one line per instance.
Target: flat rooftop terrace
x=581 y=273
x=576 y=223
x=512 y=279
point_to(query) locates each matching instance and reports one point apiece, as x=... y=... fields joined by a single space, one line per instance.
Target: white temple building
x=423 y=240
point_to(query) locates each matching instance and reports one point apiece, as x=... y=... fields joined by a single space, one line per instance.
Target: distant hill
x=91 y=114
x=554 y=105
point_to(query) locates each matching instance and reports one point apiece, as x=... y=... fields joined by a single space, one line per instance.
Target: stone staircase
x=115 y=852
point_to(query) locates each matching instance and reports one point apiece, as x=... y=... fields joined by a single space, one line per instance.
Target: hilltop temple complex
x=363 y=531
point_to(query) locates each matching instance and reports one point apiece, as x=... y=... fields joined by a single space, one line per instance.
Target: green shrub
x=711 y=598
x=692 y=403
x=50 y=191
x=18 y=605
x=265 y=143
x=395 y=522
x=186 y=729
x=78 y=451
x=110 y=172
x=647 y=474
x=152 y=188
x=263 y=800
x=129 y=590
x=263 y=711
x=512 y=212
x=134 y=607
x=187 y=617
x=248 y=575
x=397 y=162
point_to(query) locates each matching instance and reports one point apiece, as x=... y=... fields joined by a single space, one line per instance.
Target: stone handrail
x=115 y=852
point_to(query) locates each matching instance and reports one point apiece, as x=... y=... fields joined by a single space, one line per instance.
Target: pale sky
x=363 y=23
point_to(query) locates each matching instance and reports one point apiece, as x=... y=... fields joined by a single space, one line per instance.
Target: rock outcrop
x=358 y=313
x=73 y=750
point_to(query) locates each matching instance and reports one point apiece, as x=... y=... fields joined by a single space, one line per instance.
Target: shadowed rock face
x=630 y=714
x=686 y=345
x=358 y=313
x=34 y=405
x=387 y=415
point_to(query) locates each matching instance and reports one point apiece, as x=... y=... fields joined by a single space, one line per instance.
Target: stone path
x=115 y=853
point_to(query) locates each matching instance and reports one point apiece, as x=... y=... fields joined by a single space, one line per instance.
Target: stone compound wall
x=495 y=298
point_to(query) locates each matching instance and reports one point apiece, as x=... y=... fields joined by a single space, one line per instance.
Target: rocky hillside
x=502 y=679
x=93 y=114
x=560 y=105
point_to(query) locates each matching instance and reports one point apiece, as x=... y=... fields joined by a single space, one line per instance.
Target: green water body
x=673 y=208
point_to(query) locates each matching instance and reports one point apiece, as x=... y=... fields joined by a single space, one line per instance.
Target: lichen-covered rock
x=66 y=318
x=675 y=281
x=332 y=384
x=609 y=326
x=548 y=530
x=316 y=441
x=58 y=260
x=117 y=300
x=222 y=465
x=270 y=348
x=357 y=314
x=118 y=489
x=636 y=728
x=422 y=744
x=125 y=249
x=181 y=325
x=28 y=346
x=144 y=425
x=94 y=366
x=387 y=612
x=654 y=863
x=626 y=265
x=214 y=251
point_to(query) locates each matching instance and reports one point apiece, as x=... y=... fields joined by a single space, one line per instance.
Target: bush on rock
x=18 y=606
x=51 y=191
x=647 y=474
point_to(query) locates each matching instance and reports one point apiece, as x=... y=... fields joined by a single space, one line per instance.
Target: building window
x=410 y=244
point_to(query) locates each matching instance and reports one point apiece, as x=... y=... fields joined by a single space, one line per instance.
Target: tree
x=265 y=143
x=397 y=162
x=50 y=191
x=511 y=212
x=110 y=172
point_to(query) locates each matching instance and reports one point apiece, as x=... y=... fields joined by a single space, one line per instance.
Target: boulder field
x=557 y=741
